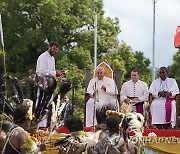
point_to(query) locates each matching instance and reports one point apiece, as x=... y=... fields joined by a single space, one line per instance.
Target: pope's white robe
x=108 y=98
x=158 y=111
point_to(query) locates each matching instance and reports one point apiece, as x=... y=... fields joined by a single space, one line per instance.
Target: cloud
x=136 y=23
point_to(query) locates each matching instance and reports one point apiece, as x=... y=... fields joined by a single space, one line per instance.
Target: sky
x=136 y=24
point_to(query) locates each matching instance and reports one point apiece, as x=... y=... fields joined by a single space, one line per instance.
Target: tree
x=125 y=60
x=29 y=25
x=174 y=70
x=143 y=65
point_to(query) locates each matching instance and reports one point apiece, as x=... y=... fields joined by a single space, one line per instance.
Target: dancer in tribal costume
x=113 y=143
x=132 y=122
x=5 y=126
x=118 y=140
x=71 y=144
x=18 y=139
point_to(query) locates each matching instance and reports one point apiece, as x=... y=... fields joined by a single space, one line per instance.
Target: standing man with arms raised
x=135 y=90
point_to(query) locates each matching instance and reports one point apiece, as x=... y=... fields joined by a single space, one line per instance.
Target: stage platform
x=166 y=141
x=162 y=132
x=158 y=132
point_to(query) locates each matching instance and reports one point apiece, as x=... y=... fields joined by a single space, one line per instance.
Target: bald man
x=103 y=92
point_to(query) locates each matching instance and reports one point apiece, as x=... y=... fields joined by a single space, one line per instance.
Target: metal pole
x=73 y=89
x=94 y=108
x=153 y=60
x=95 y=35
x=4 y=54
x=4 y=63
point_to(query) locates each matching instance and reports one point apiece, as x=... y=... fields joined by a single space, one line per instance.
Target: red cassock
x=177 y=38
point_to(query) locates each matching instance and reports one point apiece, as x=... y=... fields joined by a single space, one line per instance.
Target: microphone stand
x=116 y=95
x=94 y=107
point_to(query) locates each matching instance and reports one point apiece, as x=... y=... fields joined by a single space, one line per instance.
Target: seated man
x=135 y=91
x=163 y=107
x=102 y=92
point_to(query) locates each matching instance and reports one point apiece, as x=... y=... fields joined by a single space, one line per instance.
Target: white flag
x=1 y=33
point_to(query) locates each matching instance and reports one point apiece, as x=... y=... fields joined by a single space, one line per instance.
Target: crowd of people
x=102 y=96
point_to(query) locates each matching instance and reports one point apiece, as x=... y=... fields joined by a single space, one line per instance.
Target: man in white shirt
x=135 y=91
x=46 y=62
x=163 y=107
x=102 y=92
x=46 y=66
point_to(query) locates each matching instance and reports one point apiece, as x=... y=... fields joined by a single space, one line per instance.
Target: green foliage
x=80 y=57
x=174 y=69
x=142 y=64
x=29 y=24
x=125 y=60
x=78 y=101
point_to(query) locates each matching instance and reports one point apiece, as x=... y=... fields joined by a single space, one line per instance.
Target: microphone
x=96 y=96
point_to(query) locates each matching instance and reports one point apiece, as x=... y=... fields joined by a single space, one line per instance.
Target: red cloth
x=177 y=38
x=89 y=129
x=158 y=132
x=63 y=129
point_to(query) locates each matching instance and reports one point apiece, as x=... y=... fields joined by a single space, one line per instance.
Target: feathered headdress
x=39 y=89
x=101 y=114
x=133 y=122
x=11 y=94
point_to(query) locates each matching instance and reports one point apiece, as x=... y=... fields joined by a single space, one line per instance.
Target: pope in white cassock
x=163 y=107
x=103 y=92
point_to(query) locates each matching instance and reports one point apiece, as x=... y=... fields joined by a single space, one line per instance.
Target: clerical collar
x=163 y=85
x=163 y=80
x=100 y=80
x=134 y=81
